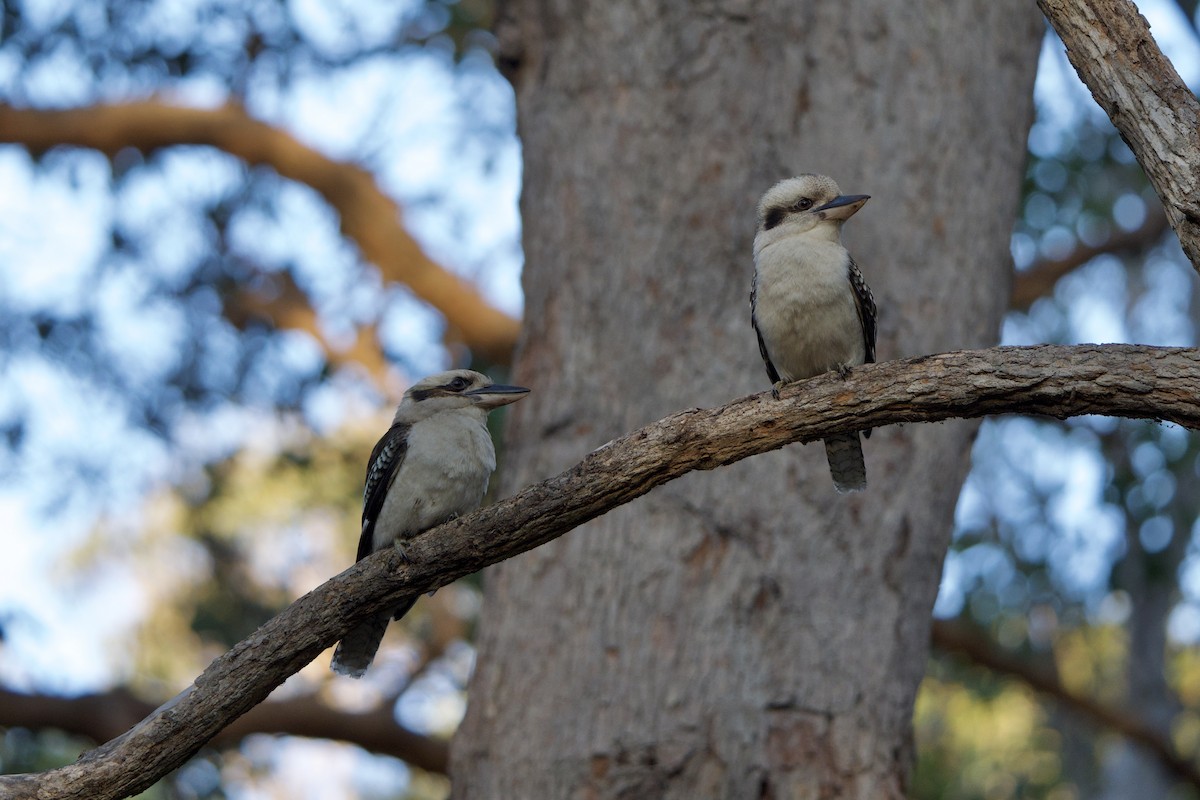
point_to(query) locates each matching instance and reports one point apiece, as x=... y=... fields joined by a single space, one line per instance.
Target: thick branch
x=1039 y=280
x=953 y=638
x=101 y=717
x=1117 y=380
x=1110 y=46
x=368 y=216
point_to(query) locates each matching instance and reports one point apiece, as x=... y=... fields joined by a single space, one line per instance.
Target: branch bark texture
x=1110 y=46
x=1118 y=380
x=368 y=216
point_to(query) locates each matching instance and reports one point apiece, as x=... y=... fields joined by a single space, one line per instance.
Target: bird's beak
x=842 y=207
x=496 y=395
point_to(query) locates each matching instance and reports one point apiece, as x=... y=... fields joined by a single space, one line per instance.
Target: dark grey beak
x=496 y=395
x=842 y=207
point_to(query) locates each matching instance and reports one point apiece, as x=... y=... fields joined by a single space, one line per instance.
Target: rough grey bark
x=746 y=633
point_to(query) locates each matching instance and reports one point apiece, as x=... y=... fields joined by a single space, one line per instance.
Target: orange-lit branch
x=286 y=306
x=368 y=216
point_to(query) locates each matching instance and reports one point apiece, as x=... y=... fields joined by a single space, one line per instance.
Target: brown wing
x=386 y=458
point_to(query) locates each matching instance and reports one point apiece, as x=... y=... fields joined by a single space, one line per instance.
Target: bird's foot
x=399 y=545
x=843 y=370
x=776 y=387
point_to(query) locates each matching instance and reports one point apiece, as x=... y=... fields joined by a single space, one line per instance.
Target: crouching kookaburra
x=810 y=306
x=431 y=466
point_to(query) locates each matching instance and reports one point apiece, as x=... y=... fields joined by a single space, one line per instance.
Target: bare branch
x=1110 y=46
x=376 y=730
x=1118 y=380
x=369 y=217
x=1039 y=280
x=953 y=638
x=101 y=717
x=286 y=306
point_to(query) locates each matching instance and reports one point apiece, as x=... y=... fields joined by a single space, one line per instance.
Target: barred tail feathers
x=846 y=463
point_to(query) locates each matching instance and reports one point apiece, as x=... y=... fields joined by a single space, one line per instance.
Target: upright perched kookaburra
x=431 y=466
x=810 y=306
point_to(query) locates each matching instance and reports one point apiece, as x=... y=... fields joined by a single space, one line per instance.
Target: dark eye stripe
x=776 y=214
x=453 y=387
x=774 y=217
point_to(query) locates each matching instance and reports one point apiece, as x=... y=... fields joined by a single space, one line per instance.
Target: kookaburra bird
x=432 y=465
x=810 y=306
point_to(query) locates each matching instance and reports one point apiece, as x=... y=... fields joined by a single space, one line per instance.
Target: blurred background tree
x=210 y=301
x=205 y=318
x=1072 y=561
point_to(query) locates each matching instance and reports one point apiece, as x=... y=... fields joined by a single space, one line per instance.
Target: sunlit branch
x=368 y=216
x=286 y=306
x=1116 y=380
x=1110 y=46
x=952 y=638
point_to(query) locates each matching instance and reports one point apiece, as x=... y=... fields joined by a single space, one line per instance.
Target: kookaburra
x=809 y=304
x=432 y=465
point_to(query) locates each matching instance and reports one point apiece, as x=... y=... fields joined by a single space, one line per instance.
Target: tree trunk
x=745 y=632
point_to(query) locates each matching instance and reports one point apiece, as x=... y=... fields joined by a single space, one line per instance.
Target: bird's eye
x=803 y=204
x=459 y=383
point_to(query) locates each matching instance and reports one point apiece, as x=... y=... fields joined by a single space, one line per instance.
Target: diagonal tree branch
x=1110 y=46
x=369 y=217
x=1117 y=380
x=955 y=638
x=1039 y=280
